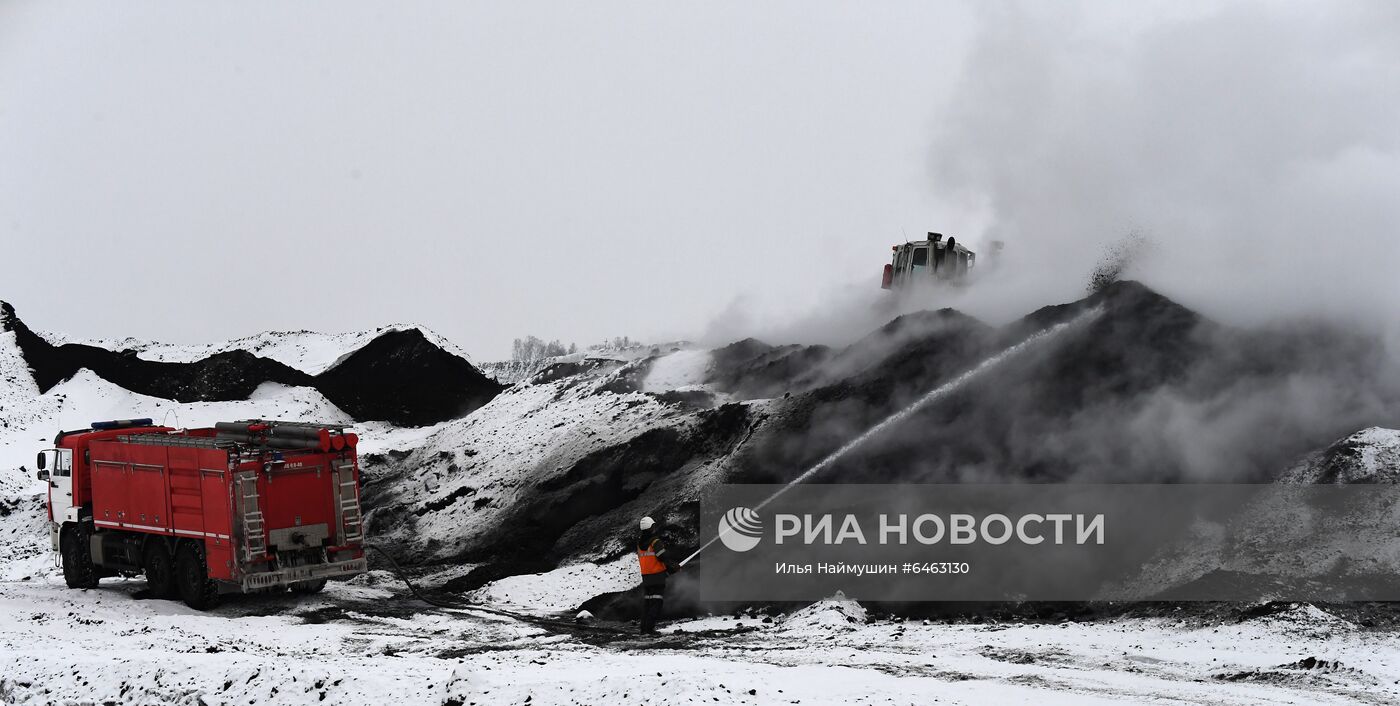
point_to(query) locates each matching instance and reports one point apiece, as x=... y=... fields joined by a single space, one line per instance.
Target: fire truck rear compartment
x=265 y=505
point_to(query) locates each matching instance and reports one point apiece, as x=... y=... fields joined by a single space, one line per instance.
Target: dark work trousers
x=651 y=604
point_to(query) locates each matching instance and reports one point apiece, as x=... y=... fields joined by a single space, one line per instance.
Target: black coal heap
x=1123 y=397
x=400 y=376
x=404 y=378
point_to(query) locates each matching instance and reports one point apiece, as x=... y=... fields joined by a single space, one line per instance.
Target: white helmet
x=646 y=523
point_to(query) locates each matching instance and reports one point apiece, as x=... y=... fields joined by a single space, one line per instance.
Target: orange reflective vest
x=650 y=562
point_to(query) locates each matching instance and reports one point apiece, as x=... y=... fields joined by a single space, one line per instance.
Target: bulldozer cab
x=931 y=260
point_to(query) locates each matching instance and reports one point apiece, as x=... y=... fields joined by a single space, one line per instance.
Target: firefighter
x=651 y=552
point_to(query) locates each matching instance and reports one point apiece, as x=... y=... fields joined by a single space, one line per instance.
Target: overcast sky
x=663 y=170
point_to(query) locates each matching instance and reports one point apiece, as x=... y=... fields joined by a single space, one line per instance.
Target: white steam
x=1253 y=143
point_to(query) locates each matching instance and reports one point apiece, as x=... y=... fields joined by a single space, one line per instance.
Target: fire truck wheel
x=313 y=586
x=192 y=577
x=160 y=570
x=78 y=571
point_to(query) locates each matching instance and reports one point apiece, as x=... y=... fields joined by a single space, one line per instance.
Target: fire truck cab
x=242 y=507
x=931 y=260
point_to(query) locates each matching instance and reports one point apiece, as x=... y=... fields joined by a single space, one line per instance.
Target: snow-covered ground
x=369 y=644
x=25 y=552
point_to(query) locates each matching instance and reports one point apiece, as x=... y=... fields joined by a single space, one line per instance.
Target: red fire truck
x=244 y=506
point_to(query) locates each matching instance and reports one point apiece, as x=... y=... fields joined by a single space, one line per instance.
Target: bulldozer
x=928 y=261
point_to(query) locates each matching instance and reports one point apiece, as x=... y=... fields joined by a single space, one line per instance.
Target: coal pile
x=918 y=346
x=224 y=376
x=404 y=378
x=1149 y=391
x=1145 y=390
x=752 y=369
x=906 y=357
x=399 y=377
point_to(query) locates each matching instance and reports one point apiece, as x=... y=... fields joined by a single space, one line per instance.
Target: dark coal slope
x=751 y=369
x=861 y=386
x=1019 y=420
x=1148 y=391
x=1141 y=340
x=399 y=377
x=902 y=359
x=404 y=378
x=567 y=513
x=916 y=346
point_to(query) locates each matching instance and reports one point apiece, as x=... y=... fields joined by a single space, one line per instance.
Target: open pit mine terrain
x=510 y=502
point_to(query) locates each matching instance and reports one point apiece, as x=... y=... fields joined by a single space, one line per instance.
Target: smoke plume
x=1254 y=143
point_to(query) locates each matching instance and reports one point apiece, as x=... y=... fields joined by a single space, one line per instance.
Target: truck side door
x=186 y=492
x=61 y=484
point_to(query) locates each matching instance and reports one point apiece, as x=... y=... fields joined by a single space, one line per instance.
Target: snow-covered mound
x=18 y=393
x=837 y=613
x=16 y=381
x=1369 y=456
x=311 y=352
x=509 y=372
x=561 y=590
x=681 y=370
x=1304 y=618
x=1347 y=547
x=31 y=424
x=548 y=469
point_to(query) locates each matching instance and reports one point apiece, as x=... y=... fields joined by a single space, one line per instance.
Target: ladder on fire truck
x=350 y=516
x=256 y=543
